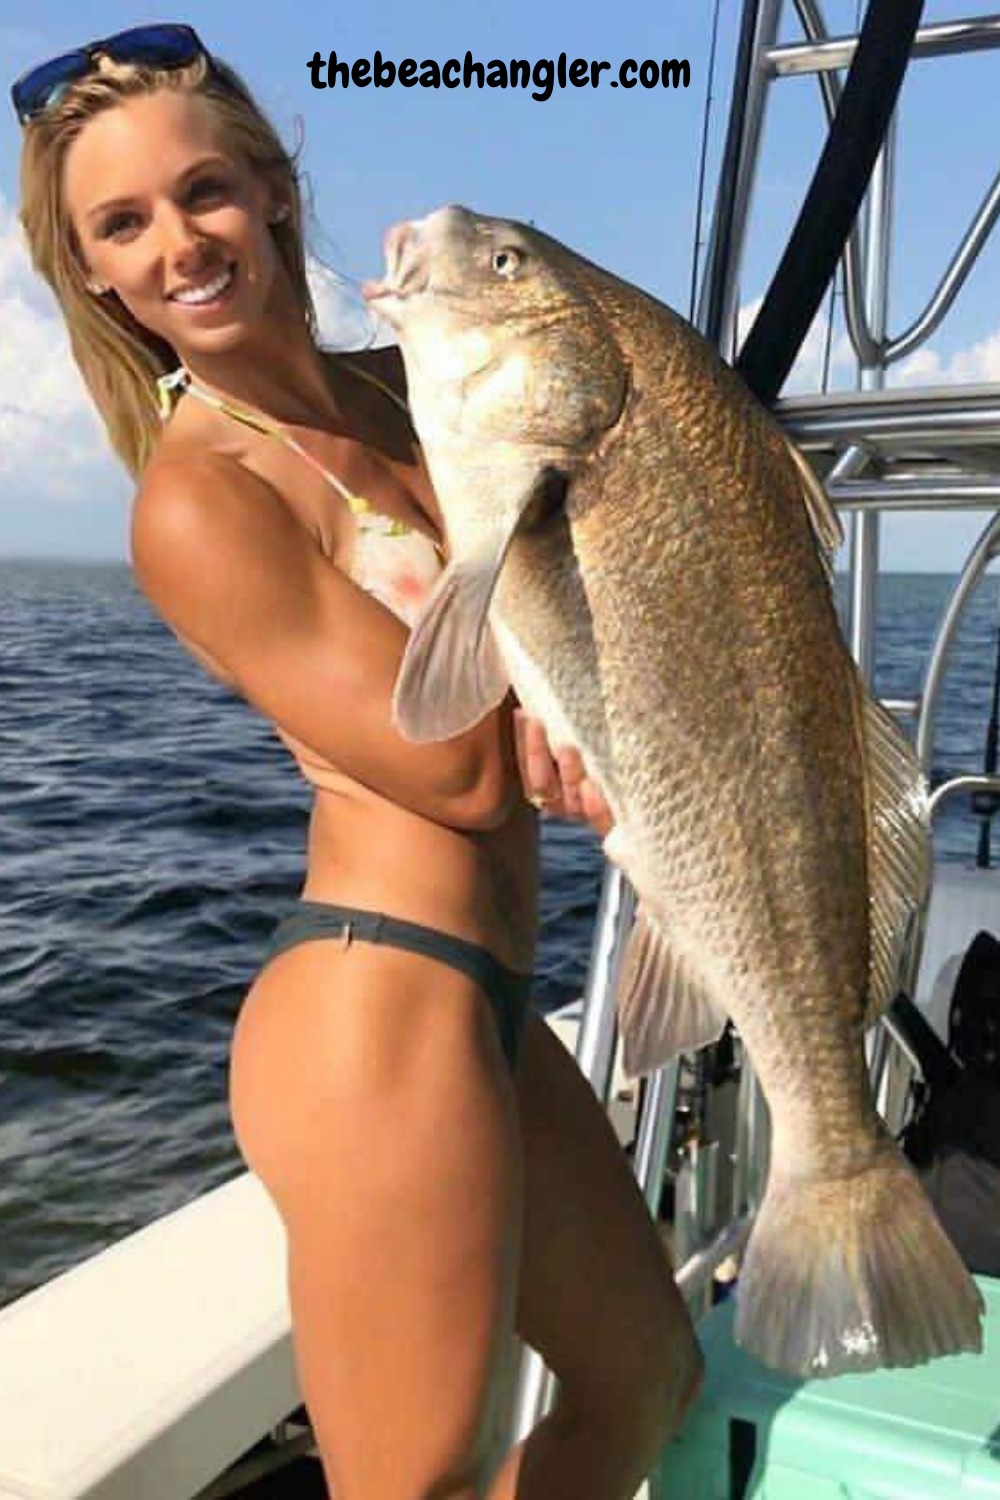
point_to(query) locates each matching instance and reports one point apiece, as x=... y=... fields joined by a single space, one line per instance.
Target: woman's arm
x=221 y=557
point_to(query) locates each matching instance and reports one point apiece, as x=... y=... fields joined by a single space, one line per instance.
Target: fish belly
x=542 y=625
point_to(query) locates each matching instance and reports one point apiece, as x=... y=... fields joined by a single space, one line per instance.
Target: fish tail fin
x=852 y=1275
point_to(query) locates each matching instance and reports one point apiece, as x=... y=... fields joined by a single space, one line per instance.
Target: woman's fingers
x=571 y=773
x=557 y=780
x=539 y=772
x=595 y=809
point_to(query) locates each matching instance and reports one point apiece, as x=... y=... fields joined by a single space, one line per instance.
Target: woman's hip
x=399 y=1019
x=507 y=990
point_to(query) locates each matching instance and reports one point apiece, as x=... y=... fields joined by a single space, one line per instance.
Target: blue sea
x=153 y=832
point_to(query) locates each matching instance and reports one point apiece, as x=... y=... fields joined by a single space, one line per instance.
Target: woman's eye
x=119 y=222
x=205 y=187
x=210 y=185
x=506 y=262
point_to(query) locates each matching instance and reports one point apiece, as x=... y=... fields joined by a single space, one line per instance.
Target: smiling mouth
x=229 y=272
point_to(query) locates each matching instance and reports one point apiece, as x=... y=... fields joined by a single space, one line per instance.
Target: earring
x=280 y=214
x=97 y=289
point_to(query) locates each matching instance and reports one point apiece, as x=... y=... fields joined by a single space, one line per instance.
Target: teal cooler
x=928 y=1433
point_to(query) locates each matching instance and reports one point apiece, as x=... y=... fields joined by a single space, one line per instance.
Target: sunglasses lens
x=42 y=86
x=167 y=45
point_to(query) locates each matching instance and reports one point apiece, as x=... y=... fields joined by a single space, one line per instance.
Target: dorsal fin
x=823 y=518
x=899 y=841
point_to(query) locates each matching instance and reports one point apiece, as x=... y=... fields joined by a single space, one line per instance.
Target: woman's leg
x=597 y=1297
x=370 y=1094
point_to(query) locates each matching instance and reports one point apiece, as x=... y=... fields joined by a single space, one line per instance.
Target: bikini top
x=393 y=562
x=390 y=560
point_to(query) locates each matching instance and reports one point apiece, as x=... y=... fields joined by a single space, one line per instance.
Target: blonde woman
x=444 y=1173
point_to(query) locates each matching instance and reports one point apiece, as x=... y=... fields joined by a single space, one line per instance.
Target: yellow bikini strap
x=379 y=384
x=181 y=379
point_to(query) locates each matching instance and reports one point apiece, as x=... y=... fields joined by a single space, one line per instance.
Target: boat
x=193 y=1396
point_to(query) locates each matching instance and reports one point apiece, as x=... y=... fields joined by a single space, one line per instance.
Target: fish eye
x=506 y=262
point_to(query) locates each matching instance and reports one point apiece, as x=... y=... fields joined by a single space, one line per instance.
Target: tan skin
x=423 y=1187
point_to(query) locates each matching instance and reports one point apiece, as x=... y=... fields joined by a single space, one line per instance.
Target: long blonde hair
x=118 y=358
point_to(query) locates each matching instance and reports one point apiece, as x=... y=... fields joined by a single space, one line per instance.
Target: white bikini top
x=394 y=562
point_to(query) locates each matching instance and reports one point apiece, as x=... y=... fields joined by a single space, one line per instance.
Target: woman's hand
x=557 y=781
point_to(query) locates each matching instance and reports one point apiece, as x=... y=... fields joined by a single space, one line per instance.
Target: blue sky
x=612 y=173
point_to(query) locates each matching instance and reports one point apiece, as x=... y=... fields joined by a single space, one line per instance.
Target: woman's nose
x=185 y=247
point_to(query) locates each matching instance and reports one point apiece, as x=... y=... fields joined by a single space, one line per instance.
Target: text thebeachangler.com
x=542 y=76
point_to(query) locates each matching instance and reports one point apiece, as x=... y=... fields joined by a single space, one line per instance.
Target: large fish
x=638 y=549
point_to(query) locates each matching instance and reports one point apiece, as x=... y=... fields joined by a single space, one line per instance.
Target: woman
x=444 y=1173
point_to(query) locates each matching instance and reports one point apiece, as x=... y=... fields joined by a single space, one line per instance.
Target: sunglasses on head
x=166 y=46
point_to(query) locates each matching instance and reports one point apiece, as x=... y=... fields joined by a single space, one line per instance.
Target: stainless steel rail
x=941 y=39
x=961 y=493
x=722 y=279
x=982 y=554
x=953 y=279
x=933 y=420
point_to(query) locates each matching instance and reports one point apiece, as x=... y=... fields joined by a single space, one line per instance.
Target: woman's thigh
x=370 y=1093
x=597 y=1296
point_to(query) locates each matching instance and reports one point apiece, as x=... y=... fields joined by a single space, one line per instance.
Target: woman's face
x=160 y=206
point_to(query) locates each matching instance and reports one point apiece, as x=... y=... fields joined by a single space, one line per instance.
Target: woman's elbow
x=488 y=802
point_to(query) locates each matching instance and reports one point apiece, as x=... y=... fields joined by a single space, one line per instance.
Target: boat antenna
x=701 y=165
x=987 y=804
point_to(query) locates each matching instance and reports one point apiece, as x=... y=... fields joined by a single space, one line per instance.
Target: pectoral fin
x=452 y=672
x=664 y=1006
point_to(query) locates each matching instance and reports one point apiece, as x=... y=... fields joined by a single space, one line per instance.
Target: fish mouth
x=406 y=268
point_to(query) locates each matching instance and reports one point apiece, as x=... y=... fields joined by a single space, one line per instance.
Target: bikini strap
x=181 y=380
x=379 y=384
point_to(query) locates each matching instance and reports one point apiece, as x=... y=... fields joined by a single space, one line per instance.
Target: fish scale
x=677 y=625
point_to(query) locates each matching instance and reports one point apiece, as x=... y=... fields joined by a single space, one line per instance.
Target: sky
x=611 y=172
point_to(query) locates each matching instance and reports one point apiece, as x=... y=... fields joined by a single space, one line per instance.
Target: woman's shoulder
x=193 y=432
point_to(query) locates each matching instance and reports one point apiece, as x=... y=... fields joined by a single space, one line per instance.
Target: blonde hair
x=119 y=359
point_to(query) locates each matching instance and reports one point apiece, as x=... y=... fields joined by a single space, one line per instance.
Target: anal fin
x=664 y=1007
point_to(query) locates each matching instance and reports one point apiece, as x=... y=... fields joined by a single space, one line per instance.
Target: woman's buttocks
x=367 y=852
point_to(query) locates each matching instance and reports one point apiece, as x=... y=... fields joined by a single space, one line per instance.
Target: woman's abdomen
x=368 y=852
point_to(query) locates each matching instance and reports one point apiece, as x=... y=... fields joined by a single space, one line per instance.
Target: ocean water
x=153 y=831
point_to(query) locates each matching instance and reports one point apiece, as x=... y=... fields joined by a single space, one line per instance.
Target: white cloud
x=979 y=363
x=49 y=432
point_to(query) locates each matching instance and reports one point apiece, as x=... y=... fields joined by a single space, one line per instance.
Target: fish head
x=501 y=341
